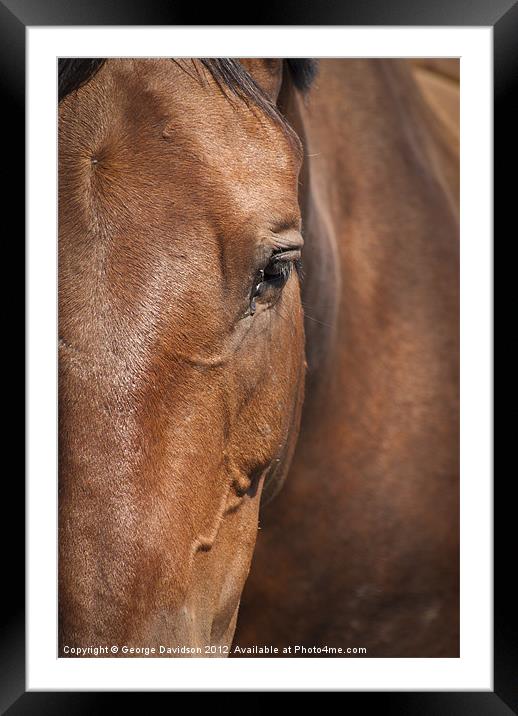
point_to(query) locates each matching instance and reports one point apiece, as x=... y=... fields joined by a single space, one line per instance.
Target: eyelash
x=282 y=271
x=276 y=278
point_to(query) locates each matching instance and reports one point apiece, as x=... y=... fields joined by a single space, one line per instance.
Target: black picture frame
x=15 y=17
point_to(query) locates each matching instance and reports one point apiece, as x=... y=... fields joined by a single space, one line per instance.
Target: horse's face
x=181 y=348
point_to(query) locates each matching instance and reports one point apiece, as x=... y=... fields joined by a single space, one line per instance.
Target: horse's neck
x=380 y=224
x=372 y=498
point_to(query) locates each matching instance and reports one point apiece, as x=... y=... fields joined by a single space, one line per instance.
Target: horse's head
x=181 y=341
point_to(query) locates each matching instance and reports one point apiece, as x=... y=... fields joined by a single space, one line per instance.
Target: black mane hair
x=228 y=73
x=303 y=72
x=73 y=74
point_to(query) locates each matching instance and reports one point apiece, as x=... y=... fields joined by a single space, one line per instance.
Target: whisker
x=312 y=318
x=284 y=318
x=316 y=320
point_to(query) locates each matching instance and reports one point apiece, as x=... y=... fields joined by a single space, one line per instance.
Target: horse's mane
x=228 y=73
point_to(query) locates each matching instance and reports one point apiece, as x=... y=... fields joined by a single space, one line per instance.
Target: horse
x=181 y=345
x=361 y=548
x=201 y=360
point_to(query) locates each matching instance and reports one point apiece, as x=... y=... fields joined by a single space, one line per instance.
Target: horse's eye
x=274 y=276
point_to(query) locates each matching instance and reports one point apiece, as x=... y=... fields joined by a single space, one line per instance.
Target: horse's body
x=361 y=547
x=182 y=361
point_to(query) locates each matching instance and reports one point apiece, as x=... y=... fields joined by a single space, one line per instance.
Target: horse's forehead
x=153 y=121
x=197 y=114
